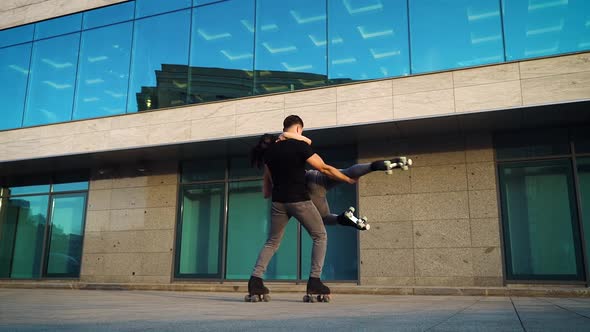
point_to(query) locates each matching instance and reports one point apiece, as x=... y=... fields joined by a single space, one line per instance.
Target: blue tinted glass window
x=368 y=39
x=290 y=45
x=222 y=55
x=109 y=15
x=71 y=186
x=159 y=68
x=152 y=7
x=51 y=88
x=544 y=27
x=16 y=35
x=14 y=71
x=103 y=73
x=58 y=26
x=204 y=2
x=25 y=190
x=449 y=34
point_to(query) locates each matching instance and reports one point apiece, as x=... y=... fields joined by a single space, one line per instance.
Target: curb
x=291 y=288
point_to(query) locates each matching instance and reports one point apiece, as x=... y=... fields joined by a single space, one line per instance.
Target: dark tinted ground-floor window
x=544 y=190
x=224 y=221
x=41 y=230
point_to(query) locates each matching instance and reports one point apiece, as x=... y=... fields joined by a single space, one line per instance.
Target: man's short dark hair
x=292 y=120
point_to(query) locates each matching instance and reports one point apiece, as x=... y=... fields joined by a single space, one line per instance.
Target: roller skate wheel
x=247 y=298
x=367 y=227
x=409 y=162
x=405 y=168
x=389 y=172
x=266 y=298
x=351 y=209
x=306 y=298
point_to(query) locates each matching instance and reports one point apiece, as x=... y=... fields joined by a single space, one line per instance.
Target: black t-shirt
x=286 y=162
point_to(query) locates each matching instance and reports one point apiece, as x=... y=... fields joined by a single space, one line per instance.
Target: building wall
x=129 y=234
x=436 y=224
x=18 y=12
x=545 y=81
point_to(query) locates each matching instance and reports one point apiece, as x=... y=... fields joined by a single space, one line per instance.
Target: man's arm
x=266 y=183
x=318 y=163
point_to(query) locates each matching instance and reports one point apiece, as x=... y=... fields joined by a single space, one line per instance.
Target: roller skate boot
x=256 y=291
x=347 y=218
x=400 y=162
x=316 y=291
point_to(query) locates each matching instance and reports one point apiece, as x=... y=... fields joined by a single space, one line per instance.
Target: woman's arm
x=287 y=135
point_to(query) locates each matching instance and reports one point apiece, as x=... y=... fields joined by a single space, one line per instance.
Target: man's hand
x=316 y=162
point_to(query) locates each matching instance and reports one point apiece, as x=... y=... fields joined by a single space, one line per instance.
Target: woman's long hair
x=257 y=152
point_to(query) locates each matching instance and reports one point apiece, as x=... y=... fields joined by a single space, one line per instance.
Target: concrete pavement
x=95 y=310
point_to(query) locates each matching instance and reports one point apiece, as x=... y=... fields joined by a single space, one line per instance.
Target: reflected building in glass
x=126 y=133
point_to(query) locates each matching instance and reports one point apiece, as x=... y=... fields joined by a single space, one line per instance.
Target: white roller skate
x=401 y=162
x=351 y=220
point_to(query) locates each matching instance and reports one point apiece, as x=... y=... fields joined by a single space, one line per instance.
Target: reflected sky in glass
x=290 y=45
x=17 y=35
x=368 y=39
x=159 y=68
x=226 y=49
x=152 y=7
x=545 y=27
x=203 y=2
x=51 y=86
x=103 y=73
x=14 y=72
x=452 y=34
x=109 y=15
x=58 y=26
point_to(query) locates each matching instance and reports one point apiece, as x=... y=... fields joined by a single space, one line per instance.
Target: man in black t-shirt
x=284 y=177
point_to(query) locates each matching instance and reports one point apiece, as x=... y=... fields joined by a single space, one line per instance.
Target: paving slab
x=105 y=310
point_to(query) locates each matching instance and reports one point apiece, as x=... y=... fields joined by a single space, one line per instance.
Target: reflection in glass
x=103 y=72
x=239 y=168
x=58 y=26
x=204 y=2
x=545 y=27
x=51 y=88
x=27 y=190
x=342 y=257
x=452 y=34
x=542 y=239
x=222 y=55
x=290 y=45
x=584 y=178
x=23 y=228
x=16 y=35
x=72 y=186
x=109 y=15
x=14 y=71
x=368 y=39
x=159 y=68
x=548 y=142
x=153 y=7
x=248 y=227
x=66 y=234
x=200 y=231
x=194 y=171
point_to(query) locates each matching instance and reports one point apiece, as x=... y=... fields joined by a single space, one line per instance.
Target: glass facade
x=545 y=27
x=454 y=33
x=41 y=230
x=220 y=238
x=175 y=52
x=543 y=184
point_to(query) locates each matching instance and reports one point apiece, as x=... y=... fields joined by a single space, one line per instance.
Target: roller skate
x=256 y=291
x=347 y=218
x=388 y=165
x=316 y=291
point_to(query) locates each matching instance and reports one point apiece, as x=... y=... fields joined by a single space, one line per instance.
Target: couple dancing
x=301 y=194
